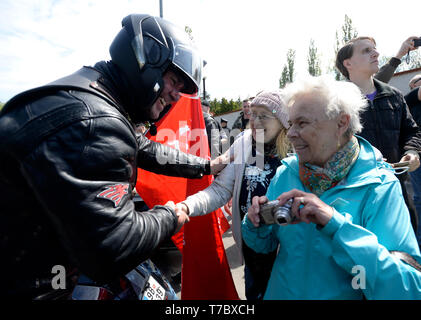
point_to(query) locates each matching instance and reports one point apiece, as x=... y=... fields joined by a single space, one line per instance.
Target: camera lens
x=282 y=214
x=281 y=221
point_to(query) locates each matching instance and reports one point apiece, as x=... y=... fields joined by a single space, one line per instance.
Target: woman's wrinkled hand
x=253 y=212
x=307 y=207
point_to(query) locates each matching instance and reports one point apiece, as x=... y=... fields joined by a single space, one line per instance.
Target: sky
x=243 y=42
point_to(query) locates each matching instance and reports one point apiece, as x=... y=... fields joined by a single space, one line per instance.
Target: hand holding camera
x=291 y=207
x=273 y=212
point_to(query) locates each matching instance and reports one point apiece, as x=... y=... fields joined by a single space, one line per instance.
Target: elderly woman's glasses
x=261 y=117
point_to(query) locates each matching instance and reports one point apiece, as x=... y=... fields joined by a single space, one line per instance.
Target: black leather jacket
x=68 y=161
x=388 y=124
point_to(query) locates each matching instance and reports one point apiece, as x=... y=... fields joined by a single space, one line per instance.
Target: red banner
x=205 y=270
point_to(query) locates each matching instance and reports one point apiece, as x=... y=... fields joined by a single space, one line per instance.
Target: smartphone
x=400 y=164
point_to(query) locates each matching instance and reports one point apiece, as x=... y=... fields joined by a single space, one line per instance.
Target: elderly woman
x=348 y=205
x=257 y=155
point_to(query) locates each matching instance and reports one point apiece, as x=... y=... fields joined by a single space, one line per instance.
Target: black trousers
x=409 y=202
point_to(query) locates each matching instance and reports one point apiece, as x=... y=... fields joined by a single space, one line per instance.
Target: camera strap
x=407 y=258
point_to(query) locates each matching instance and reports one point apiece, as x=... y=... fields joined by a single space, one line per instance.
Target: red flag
x=205 y=270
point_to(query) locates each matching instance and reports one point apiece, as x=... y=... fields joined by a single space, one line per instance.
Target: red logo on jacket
x=115 y=193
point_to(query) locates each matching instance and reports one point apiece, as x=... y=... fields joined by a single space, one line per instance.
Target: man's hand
x=407 y=45
x=219 y=163
x=183 y=217
x=414 y=161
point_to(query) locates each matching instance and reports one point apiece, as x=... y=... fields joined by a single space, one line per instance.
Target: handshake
x=182 y=213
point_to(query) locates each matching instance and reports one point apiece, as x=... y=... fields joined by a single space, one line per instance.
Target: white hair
x=342 y=97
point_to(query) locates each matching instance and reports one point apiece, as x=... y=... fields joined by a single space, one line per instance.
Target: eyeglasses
x=261 y=117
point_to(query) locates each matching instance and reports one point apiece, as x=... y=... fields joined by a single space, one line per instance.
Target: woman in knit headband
x=257 y=154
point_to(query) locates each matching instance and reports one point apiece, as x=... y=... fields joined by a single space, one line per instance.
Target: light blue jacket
x=350 y=255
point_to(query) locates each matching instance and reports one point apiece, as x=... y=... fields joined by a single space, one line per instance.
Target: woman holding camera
x=348 y=204
x=257 y=154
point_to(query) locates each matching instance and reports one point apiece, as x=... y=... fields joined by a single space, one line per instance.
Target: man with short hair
x=387 y=122
x=243 y=119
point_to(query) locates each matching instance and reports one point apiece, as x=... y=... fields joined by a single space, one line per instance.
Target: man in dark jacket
x=387 y=122
x=413 y=99
x=69 y=158
x=243 y=119
x=216 y=136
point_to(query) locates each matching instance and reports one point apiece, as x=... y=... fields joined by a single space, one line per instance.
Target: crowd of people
x=327 y=152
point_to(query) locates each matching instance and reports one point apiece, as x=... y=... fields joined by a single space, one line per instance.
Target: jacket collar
x=382 y=89
x=364 y=171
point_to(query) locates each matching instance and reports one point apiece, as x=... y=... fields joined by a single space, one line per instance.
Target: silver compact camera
x=271 y=213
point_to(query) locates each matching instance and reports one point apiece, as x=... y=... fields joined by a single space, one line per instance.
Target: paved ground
x=234 y=260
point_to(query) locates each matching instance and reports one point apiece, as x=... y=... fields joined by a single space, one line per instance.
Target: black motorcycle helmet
x=144 y=49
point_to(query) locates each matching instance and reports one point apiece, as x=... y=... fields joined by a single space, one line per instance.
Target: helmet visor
x=189 y=62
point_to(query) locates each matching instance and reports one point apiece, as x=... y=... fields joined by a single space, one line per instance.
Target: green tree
x=284 y=77
x=288 y=72
x=1 y=105
x=223 y=106
x=348 y=33
x=313 y=60
x=348 y=30
x=189 y=31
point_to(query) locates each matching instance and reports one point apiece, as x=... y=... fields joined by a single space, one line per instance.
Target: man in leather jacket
x=387 y=123
x=69 y=158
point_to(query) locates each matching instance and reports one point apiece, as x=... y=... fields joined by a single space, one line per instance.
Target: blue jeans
x=416 y=186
